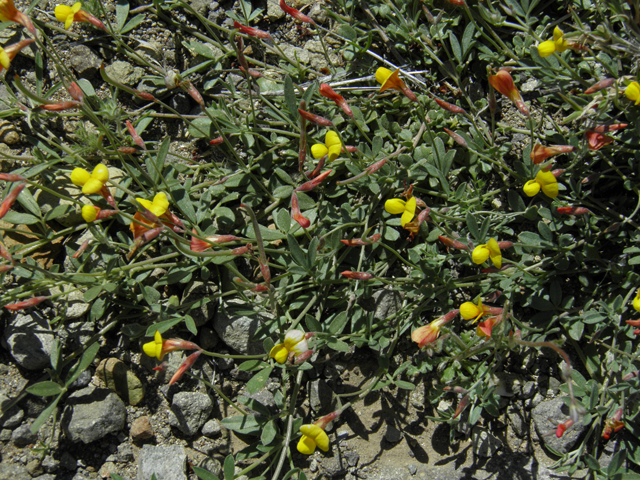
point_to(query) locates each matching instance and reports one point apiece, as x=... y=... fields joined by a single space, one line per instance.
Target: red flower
x=316 y=119
x=327 y=92
x=296 y=13
x=595 y=140
x=573 y=210
x=601 y=85
x=356 y=275
x=25 y=304
x=503 y=82
x=296 y=214
x=540 y=153
x=254 y=32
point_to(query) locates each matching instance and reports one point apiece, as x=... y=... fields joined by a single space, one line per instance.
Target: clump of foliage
x=494 y=175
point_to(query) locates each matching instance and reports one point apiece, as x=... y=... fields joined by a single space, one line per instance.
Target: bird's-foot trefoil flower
x=156 y=212
x=356 y=275
x=297 y=14
x=10 y=199
x=68 y=15
x=612 y=127
x=159 y=347
x=503 y=83
x=315 y=119
x=595 y=140
x=636 y=301
x=313 y=435
x=198 y=245
x=90 y=182
x=472 y=311
x=389 y=79
x=91 y=213
x=451 y=243
x=456 y=138
x=545 y=181
x=186 y=365
x=449 y=106
x=573 y=210
x=253 y=32
x=295 y=343
x=491 y=250
x=613 y=425
x=428 y=334
x=485 y=328
x=327 y=92
x=9 y=53
x=311 y=184
x=558 y=44
x=296 y=214
x=564 y=426
x=540 y=153
x=601 y=85
x=632 y=92
x=397 y=206
x=331 y=147
x=9 y=13
x=32 y=302
x=358 y=242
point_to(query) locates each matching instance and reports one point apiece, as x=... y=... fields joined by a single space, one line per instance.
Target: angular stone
x=166 y=462
x=547 y=416
x=84 y=61
x=22 y=436
x=29 y=339
x=190 y=411
x=392 y=435
x=121 y=380
x=237 y=323
x=13 y=471
x=12 y=417
x=124 y=72
x=212 y=428
x=484 y=443
x=196 y=291
x=141 y=429
x=92 y=413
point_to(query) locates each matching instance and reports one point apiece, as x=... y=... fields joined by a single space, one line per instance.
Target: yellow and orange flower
x=389 y=79
x=429 y=333
x=68 y=15
x=545 y=181
x=503 y=83
x=9 y=13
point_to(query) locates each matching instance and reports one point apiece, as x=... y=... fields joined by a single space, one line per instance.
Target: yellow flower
x=159 y=347
x=294 y=341
x=67 y=14
x=332 y=146
x=468 y=310
x=312 y=436
x=558 y=44
x=489 y=250
x=154 y=348
x=632 y=92
x=389 y=79
x=397 y=206
x=636 y=301
x=544 y=180
x=158 y=206
x=90 y=182
x=89 y=213
x=9 y=13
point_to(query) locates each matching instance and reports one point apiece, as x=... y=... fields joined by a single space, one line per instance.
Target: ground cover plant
x=476 y=161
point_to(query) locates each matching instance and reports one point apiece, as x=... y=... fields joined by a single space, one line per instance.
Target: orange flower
x=503 y=83
x=540 y=153
x=327 y=92
x=429 y=333
x=9 y=53
x=68 y=15
x=389 y=79
x=595 y=140
x=9 y=13
x=159 y=208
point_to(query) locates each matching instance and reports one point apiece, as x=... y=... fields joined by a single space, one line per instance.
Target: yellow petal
x=306 y=445
x=319 y=150
x=557 y=34
x=62 y=12
x=331 y=139
x=531 y=188
x=494 y=252
x=79 y=176
x=334 y=152
x=92 y=186
x=292 y=338
x=636 y=301
x=546 y=49
x=89 y=213
x=409 y=211
x=382 y=74
x=480 y=254
x=5 y=61
x=76 y=7
x=469 y=310
x=392 y=82
x=101 y=172
x=395 y=206
x=548 y=182
x=279 y=353
x=160 y=204
x=322 y=441
x=632 y=92
x=68 y=21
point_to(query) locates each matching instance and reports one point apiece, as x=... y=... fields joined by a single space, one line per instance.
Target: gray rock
x=237 y=323
x=274 y=12
x=141 y=429
x=528 y=390
x=484 y=443
x=14 y=471
x=121 y=380
x=5 y=435
x=46 y=476
x=322 y=399
x=167 y=462
x=352 y=458
x=50 y=464
x=208 y=338
x=84 y=61
x=12 y=417
x=200 y=6
x=412 y=469
x=516 y=419
x=212 y=428
x=124 y=72
x=125 y=453
x=82 y=381
x=68 y=461
x=313 y=466
x=92 y=413
x=79 y=332
x=22 y=436
x=546 y=418
x=196 y=291
x=29 y=340
x=190 y=411
x=213 y=466
x=392 y=435
x=297 y=53
x=266 y=398
x=333 y=466
x=34 y=468
x=5 y=98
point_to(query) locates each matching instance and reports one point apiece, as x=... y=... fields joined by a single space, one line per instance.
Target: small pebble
x=412 y=469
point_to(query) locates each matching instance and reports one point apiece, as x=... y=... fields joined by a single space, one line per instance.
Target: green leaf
x=405 y=385
x=229 y=467
x=455 y=47
x=338 y=323
x=312 y=324
x=545 y=231
x=204 y=474
x=20 y=218
x=156 y=165
x=92 y=293
x=258 y=381
x=283 y=220
x=44 y=415
x=617 y=462
x=150 y=295
x=296 y=252
x=246 y=424
x=45 y=389
x=347 y=32
x=269 y=433
x=337 y=345
x=122 y=12
x=184 y=202
x=29 y=203
x=86 y=87
x=472 y=226
x=133 y=23
x=252 y=365
x=86 y=359
x=290 y=98
x=467 y=39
